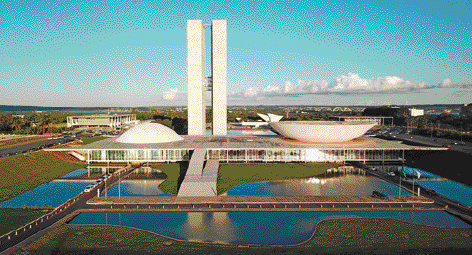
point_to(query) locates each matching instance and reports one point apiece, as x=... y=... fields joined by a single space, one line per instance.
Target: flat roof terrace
x=251 y=142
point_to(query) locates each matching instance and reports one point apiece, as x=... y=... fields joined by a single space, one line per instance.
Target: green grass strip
x=13 y=218
x=172 y=170
x=20 y=173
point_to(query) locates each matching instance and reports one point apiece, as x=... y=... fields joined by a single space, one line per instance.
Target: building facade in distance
x=101 y=120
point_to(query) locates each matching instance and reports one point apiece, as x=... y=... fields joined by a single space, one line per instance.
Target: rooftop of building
x=252 y=142
x=102 y=115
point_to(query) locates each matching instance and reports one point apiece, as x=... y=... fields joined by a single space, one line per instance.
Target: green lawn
x=341 y=236
x=173 y=170
x=93 y=139
x=13 y=218
x=230 y=175
x=20 y=173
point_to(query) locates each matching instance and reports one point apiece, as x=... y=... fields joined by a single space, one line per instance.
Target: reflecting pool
x=447 y=188
x=341 y=182
x=52 y=193
x=137 y=188
x=263 y=228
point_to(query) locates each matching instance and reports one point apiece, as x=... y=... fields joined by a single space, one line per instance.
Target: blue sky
x=116 y=53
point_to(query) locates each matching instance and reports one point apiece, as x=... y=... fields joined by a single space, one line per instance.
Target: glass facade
x=246 y=155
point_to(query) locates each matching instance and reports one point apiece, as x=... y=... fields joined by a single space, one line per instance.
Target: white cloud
x=447 y=83
x=271 y=90
x=305 y=87
x=251 y=92
x=388 y=84
x=351 y=83
x=173 y=94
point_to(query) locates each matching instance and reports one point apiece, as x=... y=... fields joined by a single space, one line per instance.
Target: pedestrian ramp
x=196 y=162
x=199 y=181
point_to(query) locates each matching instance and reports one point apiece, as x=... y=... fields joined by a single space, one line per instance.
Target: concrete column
x=219 y=63
x=196 y=77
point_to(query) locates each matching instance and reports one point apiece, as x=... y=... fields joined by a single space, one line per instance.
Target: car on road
x=431 y=192
x=380 y=195
x=447 y=145
x=88 y=188
x=391 y=173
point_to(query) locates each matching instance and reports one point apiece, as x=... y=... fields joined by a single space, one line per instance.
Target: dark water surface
x=262 y=228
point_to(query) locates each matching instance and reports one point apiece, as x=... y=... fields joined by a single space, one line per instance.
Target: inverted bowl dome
x=322 y=131
x=149 y=133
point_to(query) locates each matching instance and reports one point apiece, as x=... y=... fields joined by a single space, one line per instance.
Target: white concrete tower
x=196 y=77
x=198 y=83
x=218 y=67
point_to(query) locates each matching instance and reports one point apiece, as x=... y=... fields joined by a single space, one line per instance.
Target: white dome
x=149 y=133
x=321 y=131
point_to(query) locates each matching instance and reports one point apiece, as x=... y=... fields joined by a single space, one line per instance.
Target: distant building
x=267 y=118
x=396 y=112
x=416 y=112
x=379 y=120
x=102 y=120
x=466 y=110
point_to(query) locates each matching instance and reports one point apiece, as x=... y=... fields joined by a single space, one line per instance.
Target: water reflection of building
x=201 y=226
x=341 y=171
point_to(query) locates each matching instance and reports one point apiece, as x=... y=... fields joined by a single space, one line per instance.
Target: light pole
x=431 y=129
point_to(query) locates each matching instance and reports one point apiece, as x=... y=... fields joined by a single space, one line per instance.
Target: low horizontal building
x=379 y=120
x=101 y=120
x=156 y=143
x=416 y=112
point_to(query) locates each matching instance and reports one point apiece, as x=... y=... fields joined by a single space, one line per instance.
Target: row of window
x=311 y=155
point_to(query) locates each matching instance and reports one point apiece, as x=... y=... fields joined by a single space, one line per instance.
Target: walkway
x=199 y=181
x=259 y=203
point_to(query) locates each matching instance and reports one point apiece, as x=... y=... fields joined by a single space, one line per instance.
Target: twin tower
x=197 y=80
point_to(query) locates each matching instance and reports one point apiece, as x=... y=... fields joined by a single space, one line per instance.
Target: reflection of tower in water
x=342 y=171
x=215 y=226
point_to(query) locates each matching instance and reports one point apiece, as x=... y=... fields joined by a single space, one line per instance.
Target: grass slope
x=13 y=218
x=93 y=139
x=341 y=236
x=23 y=172
x=173 y=172
x=230 y=175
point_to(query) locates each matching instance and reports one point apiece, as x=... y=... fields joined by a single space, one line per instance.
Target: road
x=438 y=142
x=26 y=147
x=453 y=207
x=260 y=206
